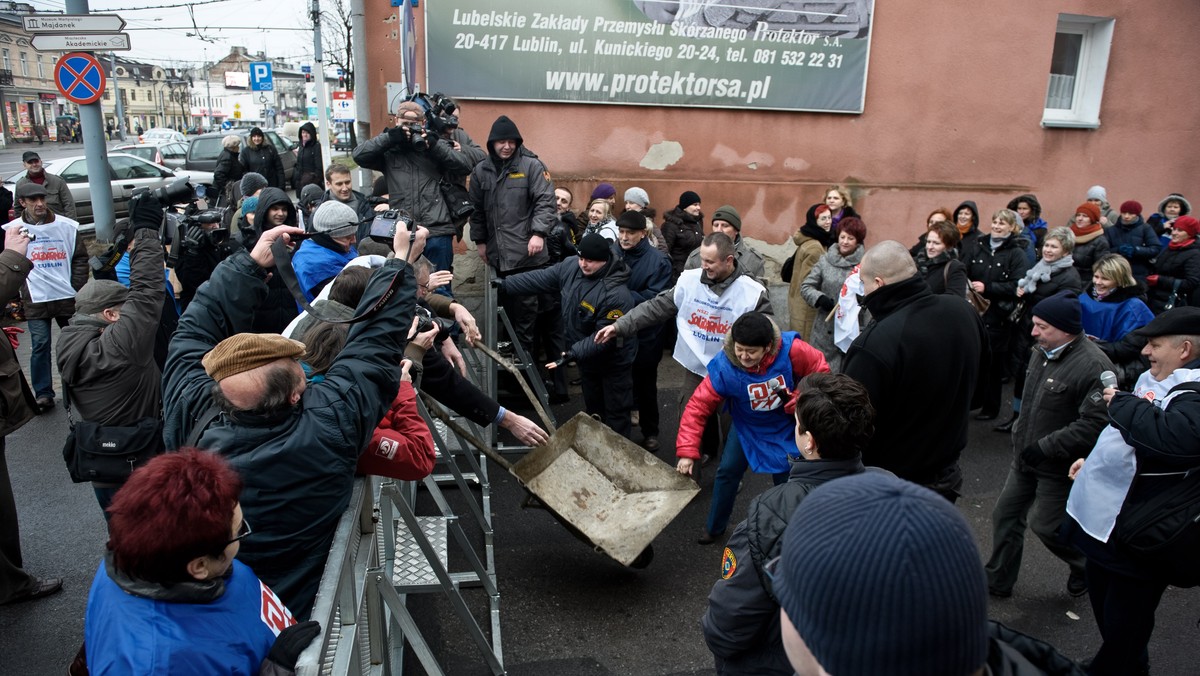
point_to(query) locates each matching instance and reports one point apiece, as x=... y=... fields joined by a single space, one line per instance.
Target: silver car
x=170 y=155
x=126 y=174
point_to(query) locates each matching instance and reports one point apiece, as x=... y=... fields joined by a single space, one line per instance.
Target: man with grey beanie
x=727 y=220
x=880 y=577
x=329 y=247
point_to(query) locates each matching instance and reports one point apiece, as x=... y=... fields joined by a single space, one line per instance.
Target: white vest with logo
x=51 y=255
x=704 y=317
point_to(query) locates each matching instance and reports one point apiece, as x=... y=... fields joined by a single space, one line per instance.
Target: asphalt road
x=565 y=610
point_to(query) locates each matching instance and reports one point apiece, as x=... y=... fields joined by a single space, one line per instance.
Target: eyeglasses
x=243 y=531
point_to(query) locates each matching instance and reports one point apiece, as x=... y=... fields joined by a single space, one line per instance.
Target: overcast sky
x=163 y=36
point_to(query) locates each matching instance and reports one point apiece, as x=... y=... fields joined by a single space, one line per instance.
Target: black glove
x=291 y=642
x=825 y=303
x=497 y=283
x=147 y=214
x=397 y=135
x=1032 y=455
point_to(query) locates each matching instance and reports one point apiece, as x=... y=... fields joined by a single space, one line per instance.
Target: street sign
x=261 y=79
x=79 y=77
x=106 y=42
x=305 y=69
x=226 y=125
x=343 y=106
x=74 y=23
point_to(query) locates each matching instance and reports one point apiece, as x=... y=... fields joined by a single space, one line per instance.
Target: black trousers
x=608 y=393
x=645 y=385
x=1124 y=608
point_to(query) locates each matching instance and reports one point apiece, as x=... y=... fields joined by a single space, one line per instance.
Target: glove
x=147 y=214
x=1032 y=455
x=1126 y=250
x=497 y=283
x=397 y=135
x=12 y=332
x=825 y=303
x=291 y=642
x=1151 y=280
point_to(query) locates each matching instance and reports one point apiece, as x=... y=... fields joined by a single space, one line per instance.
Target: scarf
x=963 y=229
x=1082 y=234
x=825 y=238
x=924 y=262
x=1043 y=271
x=1181 y=245
x=997 y=242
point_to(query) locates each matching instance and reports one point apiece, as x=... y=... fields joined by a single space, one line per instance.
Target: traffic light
x=308 y=77
x=342 y=81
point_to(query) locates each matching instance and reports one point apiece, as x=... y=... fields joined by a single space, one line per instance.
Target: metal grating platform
x=412 y=568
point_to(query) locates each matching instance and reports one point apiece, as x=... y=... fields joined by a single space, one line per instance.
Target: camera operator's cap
x=30 y=155
x=31 y=189
x=881 y=576
x=245 y=351
x=335 y=219
x=99 y=295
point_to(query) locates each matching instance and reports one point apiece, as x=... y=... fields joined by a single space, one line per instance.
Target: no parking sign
x=79 y=77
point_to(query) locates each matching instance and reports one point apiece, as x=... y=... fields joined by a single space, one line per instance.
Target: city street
x=565 y=610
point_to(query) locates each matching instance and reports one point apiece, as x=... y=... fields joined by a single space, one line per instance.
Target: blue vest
x=128 y=634
x=756 y=401
x=1111 y=321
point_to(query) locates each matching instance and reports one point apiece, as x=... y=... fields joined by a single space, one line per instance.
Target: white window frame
x=1097 y=35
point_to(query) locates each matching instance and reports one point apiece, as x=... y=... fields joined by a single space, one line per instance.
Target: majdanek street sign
x=74 y=23
x=99 y=42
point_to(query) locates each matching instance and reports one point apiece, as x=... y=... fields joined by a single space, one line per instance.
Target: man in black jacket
x=917 y=342
x=593 y=296
x=106 y=354
x=260 y=157
x=244 y=396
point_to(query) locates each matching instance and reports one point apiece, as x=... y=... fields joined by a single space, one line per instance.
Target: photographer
x=415 y=161
x=205 y=244
x=106 y=357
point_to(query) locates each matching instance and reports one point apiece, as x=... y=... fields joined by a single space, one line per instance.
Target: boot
x=1007 y=427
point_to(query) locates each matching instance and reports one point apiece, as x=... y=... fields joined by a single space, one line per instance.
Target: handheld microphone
x=1108 y=379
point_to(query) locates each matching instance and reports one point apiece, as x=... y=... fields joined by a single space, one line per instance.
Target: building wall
x=954 y=102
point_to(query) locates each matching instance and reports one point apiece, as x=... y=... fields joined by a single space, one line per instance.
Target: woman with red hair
x=169 y=596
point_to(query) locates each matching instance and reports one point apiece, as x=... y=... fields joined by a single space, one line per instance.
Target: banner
x=763 y=54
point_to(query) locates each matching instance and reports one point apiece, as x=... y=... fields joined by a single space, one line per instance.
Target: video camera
x=439 y=112
x=166 y=197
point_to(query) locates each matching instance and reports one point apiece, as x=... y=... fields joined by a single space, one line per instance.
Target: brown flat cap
x=246 y=351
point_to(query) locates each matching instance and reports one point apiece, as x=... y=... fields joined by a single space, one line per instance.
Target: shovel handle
x=508 y=366
x=462 y=432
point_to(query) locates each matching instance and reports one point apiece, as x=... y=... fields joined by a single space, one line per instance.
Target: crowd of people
x=304 y=329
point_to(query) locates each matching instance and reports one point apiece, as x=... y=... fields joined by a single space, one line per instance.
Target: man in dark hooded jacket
x=594 y=295
x=308 y=159
x=273 y=209
x=259 y=156
x=514 y=212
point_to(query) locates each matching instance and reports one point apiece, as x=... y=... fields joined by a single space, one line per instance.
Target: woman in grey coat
x=824 y=282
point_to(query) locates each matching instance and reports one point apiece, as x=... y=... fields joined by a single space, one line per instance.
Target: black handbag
x=109 y=454
x=458 y=202
x=789 y=266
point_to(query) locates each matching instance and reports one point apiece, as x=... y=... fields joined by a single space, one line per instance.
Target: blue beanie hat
x=1061 y=311
x=249 y=205
x=881 y=577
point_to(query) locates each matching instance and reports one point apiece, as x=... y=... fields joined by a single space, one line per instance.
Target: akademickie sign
x=787 y=55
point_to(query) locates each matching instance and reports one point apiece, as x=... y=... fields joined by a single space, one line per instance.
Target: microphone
x=1108 y=379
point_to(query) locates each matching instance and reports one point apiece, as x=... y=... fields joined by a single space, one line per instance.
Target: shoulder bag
x=975 y=298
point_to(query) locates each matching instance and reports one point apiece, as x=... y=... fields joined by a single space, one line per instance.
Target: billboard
x=766 y=54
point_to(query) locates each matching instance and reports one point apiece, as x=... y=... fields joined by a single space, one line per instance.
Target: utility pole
x=91 y=125
x=362 y=94
x=322 y=95
x=118 y=106
x=208 y=89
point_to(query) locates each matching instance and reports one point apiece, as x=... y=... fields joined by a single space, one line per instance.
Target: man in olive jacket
x=15 y=583
x=243 y=395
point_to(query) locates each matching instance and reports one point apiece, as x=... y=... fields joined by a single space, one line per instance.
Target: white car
x=160 y=135
x=126 y=174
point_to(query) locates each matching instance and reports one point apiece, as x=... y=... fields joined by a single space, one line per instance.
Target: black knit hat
x=881 y=576
x=687 y=199
x=632 y=220
x=593 y=247
x=1062 y=311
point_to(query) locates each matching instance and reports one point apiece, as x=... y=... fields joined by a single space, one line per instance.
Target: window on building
x=1078 y=67
x=24 y=65
x=41 y=70
x=7 y=62
x=133 y=95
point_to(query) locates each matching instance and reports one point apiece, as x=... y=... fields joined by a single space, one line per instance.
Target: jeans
x=440 y=251
x=40 y=342
x=725 y=485
x=104 y=496
x=1036 y=499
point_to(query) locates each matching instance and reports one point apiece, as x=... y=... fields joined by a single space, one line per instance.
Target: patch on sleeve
x=1096 y=397
x=728 y=564
x=614 y=314
x=546 y=174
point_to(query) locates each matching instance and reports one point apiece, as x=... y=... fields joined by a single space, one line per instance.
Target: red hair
x=820 y=209
x=175 y=508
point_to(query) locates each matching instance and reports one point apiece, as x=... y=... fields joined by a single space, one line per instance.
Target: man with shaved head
x=244 y=395
x=918 y=358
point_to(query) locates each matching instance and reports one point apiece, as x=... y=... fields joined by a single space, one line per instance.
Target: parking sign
x=260 y=77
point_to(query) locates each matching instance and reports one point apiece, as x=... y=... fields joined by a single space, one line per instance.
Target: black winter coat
x=1143 y=245
x=263 y=160
x=683 y=233
x=944 y=274
x=999 y=270
x=308 y=161
x=1176 y=264
x=229 y=170
x=279 y=309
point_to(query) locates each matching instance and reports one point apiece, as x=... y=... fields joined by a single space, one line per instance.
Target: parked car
x=202 y=153
x=126 y=174
x=342 y=142
x=171 y=155
x=162 y=135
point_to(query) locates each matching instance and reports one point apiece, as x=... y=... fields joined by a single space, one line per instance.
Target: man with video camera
x=205 y=243
x=416 y=161
x=111 y=383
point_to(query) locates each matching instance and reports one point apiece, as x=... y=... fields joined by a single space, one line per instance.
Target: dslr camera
x=383 y=227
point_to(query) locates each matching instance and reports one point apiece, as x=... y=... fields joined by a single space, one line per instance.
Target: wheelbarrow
x=608 y=491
